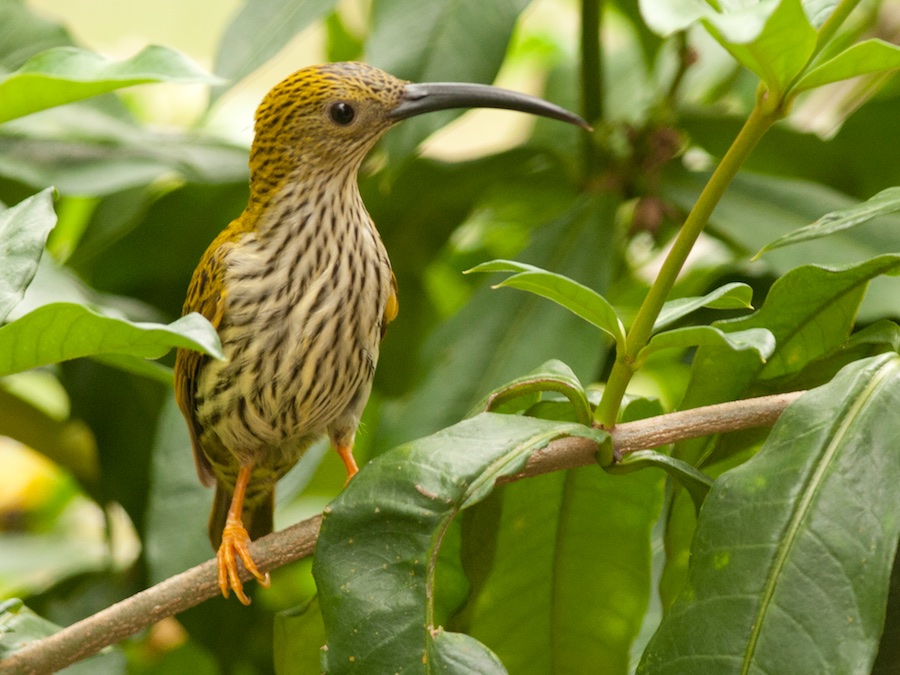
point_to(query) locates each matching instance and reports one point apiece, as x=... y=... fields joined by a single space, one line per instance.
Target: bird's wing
x=206 y=295
x=392 y=306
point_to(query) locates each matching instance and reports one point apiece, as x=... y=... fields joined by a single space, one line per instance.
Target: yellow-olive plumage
x=300 y=289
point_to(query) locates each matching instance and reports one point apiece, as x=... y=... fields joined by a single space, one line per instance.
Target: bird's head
x=327 y=117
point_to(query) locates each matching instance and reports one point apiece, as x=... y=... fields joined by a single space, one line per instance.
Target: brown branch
x=169 y=597
x=190 y=588
x=570 y=453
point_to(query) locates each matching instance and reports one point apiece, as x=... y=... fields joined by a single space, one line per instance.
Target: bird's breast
x=301 y=329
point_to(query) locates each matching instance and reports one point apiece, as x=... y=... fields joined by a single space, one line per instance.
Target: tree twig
x=167 y=598
x=190 y=588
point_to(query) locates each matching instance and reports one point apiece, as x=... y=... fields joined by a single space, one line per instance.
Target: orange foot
x=346 y=454
x=235 y=544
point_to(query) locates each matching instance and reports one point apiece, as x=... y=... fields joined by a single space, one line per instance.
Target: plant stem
x=834 y=21
x=591 y=75
x=757 y=124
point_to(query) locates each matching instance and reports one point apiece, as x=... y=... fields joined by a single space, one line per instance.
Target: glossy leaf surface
x=813 y=552
x=375 y=558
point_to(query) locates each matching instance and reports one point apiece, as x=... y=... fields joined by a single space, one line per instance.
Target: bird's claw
x=236 y=544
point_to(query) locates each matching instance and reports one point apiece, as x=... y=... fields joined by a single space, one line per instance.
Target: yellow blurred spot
x=28 y=478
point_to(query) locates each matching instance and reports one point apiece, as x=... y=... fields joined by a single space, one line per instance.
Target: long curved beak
x=431 y=96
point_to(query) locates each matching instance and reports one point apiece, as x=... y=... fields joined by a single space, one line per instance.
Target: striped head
x=324 y=118
x=321 y=121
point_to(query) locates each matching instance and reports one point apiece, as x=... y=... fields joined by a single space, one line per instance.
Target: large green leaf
x=439 y=41
x=375 y=565
x=65 y=74
x=23 y=232
x=885 y=202
x=812 y=557
x=810 y=311
x=63 y=331
x=667 y=16
x=259 y=30
x=583 y=593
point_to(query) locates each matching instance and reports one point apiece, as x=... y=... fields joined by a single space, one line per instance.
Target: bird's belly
x=288 y=378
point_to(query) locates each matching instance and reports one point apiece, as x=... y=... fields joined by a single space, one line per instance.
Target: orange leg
x=346 y=454
x=236 y=543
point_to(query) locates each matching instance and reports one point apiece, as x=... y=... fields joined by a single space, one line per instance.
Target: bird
x=300 y=290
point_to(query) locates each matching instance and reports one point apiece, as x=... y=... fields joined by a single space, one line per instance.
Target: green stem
x=591 y=74
x=757 y=124
x=832 y=23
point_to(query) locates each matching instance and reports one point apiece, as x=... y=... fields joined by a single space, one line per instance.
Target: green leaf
x=84 y=151
x=883 y=332
x=694 y=481
x=759 y=340
x=885 y=202
x=811 y=555
x=810 y=311
x=299 y=636
x=65 y=74
x=553 y=376
x=556 y=613
x=27 y=33
x=19 y=625
x=343 y=44
x=177 y=504
x=460 y=654
x=374 y=565
x=781 y=50
x=758 y=209
x=863 y=58
x=439 y=41
x=153 y=370
x=63 y=331
x=576 y=297
x=888 y=660
x=258 y=31
x=667 y=17
x=24 y=229
x=773 y=38
x=729 y=296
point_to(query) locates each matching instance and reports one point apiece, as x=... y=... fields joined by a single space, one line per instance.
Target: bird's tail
x=257 y=517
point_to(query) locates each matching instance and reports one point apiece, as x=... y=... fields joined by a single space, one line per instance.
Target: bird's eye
x=342 y=113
